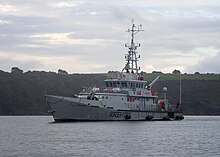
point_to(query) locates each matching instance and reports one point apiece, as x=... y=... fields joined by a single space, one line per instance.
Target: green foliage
x=165 y=77
x=23 y=94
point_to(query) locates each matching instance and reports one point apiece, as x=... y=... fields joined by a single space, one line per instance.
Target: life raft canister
x=152 y=92
x=162 y=103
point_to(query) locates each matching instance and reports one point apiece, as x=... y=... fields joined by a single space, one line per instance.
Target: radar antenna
x=131 y=57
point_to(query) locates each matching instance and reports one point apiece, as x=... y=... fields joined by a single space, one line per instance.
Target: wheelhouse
x=131 y=84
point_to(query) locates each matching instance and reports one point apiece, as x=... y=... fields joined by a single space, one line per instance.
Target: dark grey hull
x=66 y=110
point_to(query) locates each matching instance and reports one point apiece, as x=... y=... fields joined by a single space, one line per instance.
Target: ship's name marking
x=116 y=114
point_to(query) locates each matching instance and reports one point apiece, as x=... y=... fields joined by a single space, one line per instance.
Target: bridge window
x=114 y=84
x=110 y=84
x=129 y=84
x=107 y=84
x=124 y=84
x=132 y=85
x=118 y=84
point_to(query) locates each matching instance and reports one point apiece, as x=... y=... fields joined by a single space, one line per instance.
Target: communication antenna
x=131 y=57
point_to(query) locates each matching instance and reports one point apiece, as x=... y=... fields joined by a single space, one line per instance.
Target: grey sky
x=89 y=36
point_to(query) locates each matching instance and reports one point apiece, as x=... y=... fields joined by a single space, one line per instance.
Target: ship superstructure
x=127 y=96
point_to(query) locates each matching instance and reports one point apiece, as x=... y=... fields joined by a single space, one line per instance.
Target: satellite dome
x=165 y=89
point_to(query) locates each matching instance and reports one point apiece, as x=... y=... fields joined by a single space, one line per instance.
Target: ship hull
x=64 y=110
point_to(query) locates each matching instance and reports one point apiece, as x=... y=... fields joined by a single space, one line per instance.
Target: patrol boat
x=126 y=97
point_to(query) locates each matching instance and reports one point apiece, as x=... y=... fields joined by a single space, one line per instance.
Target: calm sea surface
x=39 y=136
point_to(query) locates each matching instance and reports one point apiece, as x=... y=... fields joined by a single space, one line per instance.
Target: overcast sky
x=89 y=36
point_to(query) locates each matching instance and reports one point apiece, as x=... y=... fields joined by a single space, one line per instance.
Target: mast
x=131 y=65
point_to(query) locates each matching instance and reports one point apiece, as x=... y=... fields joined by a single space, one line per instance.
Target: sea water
x=26 y=136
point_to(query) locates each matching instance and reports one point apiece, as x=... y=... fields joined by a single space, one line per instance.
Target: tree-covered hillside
x=23 y=93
